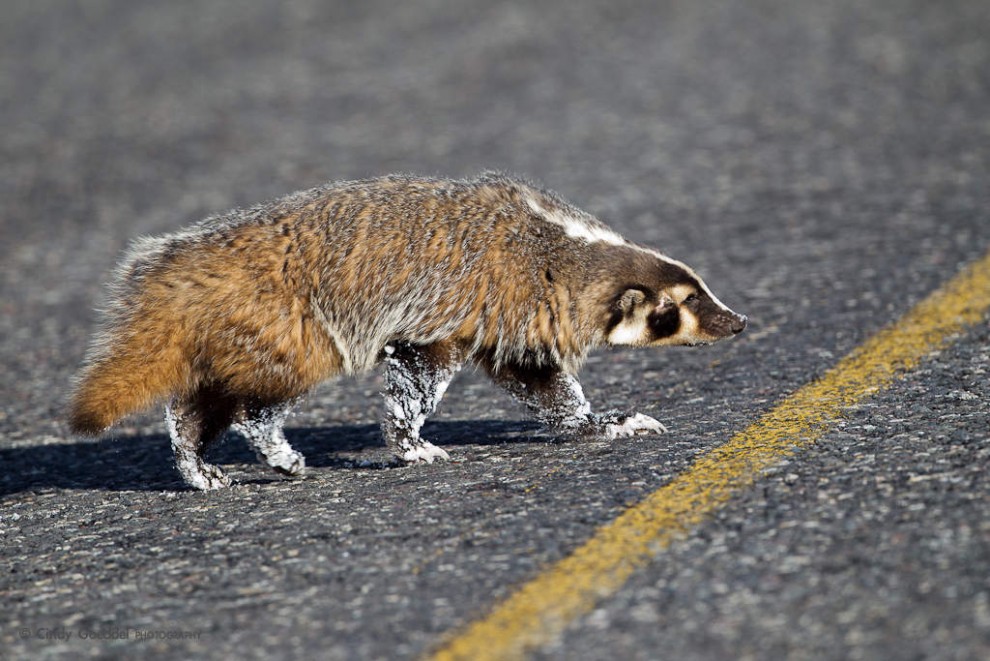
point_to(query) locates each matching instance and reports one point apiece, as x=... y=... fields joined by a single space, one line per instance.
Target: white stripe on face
x=680 y=292
x=691 y=272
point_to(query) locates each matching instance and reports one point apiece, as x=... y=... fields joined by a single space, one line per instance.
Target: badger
x=231 y=321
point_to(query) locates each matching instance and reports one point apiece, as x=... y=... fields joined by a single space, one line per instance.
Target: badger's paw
x=629 y=425
x=423 y=452
x=285 y=461
x=203 y=476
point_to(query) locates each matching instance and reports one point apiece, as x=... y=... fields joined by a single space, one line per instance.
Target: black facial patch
x=664 y=321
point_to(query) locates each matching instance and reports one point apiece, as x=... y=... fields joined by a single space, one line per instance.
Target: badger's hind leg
x=416 y=378
x=194 y=424
x=262 y=427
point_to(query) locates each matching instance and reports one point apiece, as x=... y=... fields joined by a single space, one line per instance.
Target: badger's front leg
x=416 y=378
x=557 y=400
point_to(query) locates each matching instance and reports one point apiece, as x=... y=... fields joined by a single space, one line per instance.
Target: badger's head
x=663 y=302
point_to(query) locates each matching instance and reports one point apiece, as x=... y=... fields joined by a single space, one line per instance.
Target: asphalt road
x=823 y=165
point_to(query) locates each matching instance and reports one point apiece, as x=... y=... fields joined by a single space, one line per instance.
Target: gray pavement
x=823 y=165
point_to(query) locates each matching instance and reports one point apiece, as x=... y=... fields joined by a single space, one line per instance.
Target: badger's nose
x=738 y=324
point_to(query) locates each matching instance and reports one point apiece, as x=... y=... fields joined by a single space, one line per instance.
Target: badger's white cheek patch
x=688 y=331
x=629 y=332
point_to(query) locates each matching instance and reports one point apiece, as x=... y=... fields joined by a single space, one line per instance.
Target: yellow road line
x=540 y=610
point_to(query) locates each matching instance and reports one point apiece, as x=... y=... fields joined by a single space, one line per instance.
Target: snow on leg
x=194 y=425
x=416 y=378
x=262 y=427
x=553 y=397
x=557 y=400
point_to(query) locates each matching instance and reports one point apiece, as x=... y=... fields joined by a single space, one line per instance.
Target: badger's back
x=424 y=260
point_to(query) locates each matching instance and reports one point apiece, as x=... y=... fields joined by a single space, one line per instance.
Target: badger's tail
x=132 y=377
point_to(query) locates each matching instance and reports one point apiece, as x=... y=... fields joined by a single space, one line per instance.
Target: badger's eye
x=692 y=298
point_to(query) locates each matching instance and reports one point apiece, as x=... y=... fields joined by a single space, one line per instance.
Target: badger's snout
x=737 y=323
x=725 y=323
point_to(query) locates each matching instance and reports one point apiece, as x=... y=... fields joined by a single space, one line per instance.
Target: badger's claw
x=633 y=424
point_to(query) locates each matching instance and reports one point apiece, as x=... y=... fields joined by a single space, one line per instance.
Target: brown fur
x=234 y=302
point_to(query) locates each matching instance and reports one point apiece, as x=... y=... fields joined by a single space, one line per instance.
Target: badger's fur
x=233 y=319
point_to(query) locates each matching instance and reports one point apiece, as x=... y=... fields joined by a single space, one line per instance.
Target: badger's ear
x=628 y=300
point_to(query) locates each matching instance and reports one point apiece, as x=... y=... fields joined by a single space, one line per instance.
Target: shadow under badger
x=230 y=321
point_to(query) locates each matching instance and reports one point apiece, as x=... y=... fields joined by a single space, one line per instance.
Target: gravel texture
x=823 y=165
